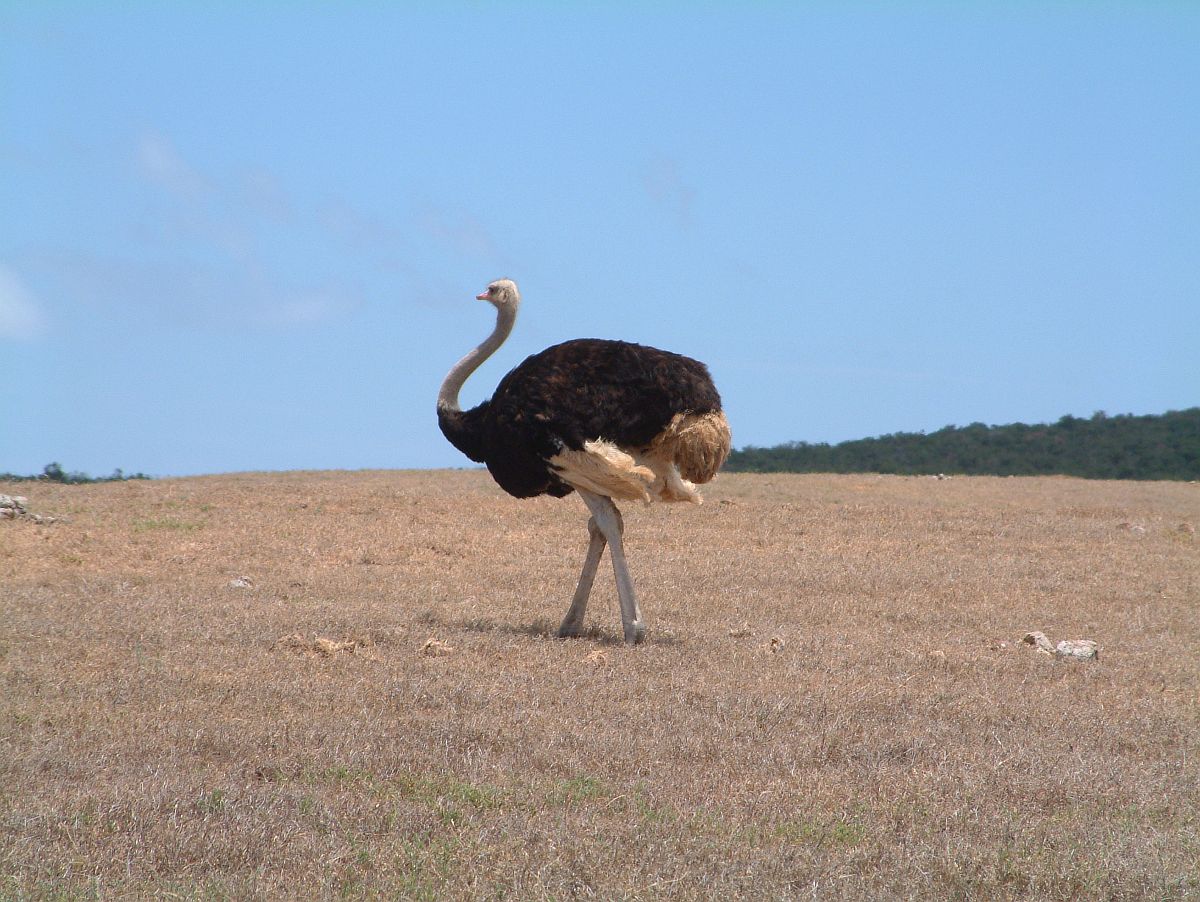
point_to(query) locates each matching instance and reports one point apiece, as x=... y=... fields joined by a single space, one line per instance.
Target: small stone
x=740 y=632
x=1078 y=650
x=1039 y=640
x=241 y=582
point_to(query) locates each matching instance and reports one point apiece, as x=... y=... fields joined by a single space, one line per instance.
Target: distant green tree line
x=55 y=473
x=1165 y=446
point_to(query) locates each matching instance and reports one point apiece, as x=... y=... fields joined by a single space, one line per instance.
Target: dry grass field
x=833 y=701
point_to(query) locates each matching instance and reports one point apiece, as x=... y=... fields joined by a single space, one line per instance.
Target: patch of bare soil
x=346 y=684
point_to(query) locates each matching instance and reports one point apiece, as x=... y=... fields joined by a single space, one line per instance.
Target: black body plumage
x=572 y=393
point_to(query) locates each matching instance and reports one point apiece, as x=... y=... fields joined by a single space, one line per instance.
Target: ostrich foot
x=570 y=629
x=573 y=623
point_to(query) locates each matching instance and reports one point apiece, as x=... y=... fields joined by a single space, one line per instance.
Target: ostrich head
x=501 y=294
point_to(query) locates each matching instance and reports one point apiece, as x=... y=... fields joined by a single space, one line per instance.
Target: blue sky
x=249 y=238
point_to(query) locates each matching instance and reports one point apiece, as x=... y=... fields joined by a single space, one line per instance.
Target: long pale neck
x=453 y=383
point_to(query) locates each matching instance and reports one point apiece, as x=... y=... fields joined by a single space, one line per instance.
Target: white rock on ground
x=1070 y=649
x=13 y=507
x=1078 y=649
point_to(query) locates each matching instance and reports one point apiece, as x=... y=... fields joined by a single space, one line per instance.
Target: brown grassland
x=833 y=701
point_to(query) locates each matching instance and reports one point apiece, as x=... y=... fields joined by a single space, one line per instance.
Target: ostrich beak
x=481 y=297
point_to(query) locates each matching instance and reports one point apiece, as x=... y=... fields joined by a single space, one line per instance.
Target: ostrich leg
x=573 y=622
x=609 y=522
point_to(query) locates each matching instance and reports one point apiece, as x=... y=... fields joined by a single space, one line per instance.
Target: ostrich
x=610 y=420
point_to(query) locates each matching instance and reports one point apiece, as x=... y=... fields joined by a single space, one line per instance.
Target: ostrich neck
x=453 y=383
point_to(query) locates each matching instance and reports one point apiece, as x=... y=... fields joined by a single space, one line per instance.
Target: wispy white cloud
x=307 y=307
x=358 y=229
x=459 y=230
x=231 y=226
x=20 y=314
x=663 y=184
x=263 y=193
x=222 y=246
x=212 y=296
x=161 y=163
x=419 y=249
